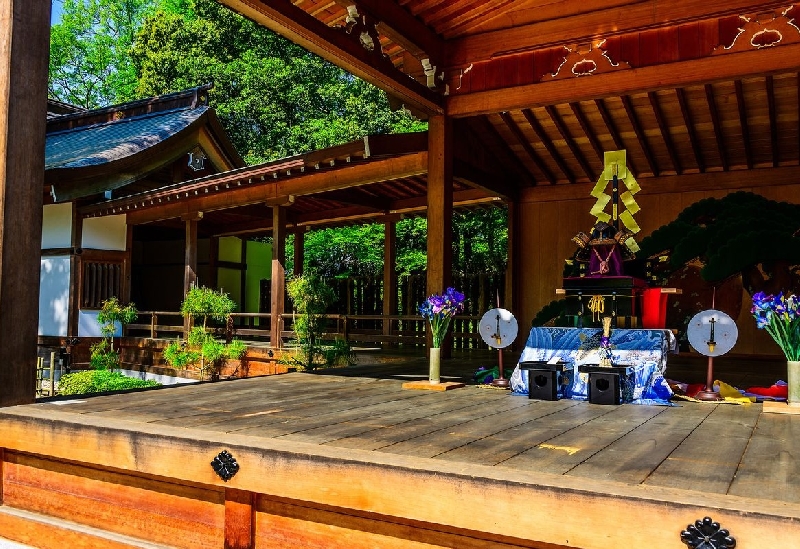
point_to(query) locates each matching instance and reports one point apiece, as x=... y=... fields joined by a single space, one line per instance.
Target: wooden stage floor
x=673 y=465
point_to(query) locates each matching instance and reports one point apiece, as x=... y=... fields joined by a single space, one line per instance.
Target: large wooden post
x=512 y=298
x=278 y=275
x=440 y=207
x=389 y=274
x=24 y=51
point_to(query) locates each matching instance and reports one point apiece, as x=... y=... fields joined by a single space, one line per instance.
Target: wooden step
x=45 y=532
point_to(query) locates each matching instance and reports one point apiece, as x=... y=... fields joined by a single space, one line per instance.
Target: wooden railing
x=395 y=329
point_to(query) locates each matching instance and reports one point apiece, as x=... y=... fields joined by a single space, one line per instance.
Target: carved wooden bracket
x=763 y=30
x=584 y=60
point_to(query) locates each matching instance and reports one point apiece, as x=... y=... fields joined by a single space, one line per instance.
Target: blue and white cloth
x=645 y=351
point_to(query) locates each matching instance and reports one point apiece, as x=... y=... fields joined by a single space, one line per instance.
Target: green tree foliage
x=480 y=242
x=274 y=98
x=90 y=63
x=103 y=355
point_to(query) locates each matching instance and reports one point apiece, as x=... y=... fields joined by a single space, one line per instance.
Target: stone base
x=773 y=407
x=428 y=386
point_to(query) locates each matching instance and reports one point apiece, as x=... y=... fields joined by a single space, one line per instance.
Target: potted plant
x=779 y=316
x=439 y=311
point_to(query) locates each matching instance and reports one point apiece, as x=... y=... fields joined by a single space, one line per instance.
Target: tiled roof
x=109 y=141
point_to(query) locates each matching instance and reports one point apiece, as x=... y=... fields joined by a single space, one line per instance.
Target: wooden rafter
x=612 y=130
x=712 y=107
x=467 y=173
x=640 y=136
x=548 y=144
x=662 y=125
x=518 y=134
x=773 y=123
x=567 y=137
x=748 y=151
x=598 y=23
x=689 y=123
x=584 y=124
x=485 y=131
x=335 y=46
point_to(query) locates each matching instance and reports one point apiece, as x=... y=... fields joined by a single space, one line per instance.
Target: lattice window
x=101 y=280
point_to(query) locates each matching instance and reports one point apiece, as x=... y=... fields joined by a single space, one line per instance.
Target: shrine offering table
x=645 y=351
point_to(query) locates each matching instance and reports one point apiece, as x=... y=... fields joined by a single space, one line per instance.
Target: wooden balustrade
x=405 y=329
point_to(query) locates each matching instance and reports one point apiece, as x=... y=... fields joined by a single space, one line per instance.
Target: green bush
x=103 y=357
x=99 y=381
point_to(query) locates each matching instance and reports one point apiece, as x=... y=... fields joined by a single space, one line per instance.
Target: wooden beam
x=548 y=144
x=239 y=518
x=241 y=193
x=587 y=130
x=640 y=136
x=714 y=68
x=335 y=46
x=587 y=23
x=715 y=122
x=689 y=124
x=278 y=278
x=573 y=146
x=696 y=182
x=664 y=128
x=526 y=146
x=773 y=122
x=740 y=103
x=24 y=43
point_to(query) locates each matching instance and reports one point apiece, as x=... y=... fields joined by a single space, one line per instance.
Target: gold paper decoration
x=614 y=165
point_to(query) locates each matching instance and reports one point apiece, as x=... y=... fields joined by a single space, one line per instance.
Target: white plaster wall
x=54 y=296
x=57 y=226
x=88 y=326
x=104 y=233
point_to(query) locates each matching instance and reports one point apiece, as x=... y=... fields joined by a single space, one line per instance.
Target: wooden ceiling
x=538 y=90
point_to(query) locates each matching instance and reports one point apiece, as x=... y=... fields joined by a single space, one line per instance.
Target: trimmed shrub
x=99 y=381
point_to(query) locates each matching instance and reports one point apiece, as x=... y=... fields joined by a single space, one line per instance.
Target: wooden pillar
x=299 y=252
x=190 y=260
x=513 y=277
x=190 y=255
x=440 y=207
x=278 y=274
x=24 y=51
x=243 y=277
x=75 y=273
x=389 y=274
x=125 y=293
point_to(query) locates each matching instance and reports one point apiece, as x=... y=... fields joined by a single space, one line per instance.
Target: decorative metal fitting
x=225 y=465
x=706 y=534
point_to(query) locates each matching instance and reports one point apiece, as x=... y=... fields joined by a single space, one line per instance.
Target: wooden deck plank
x=709 y=457
x=633 y=457
x=562 y=453
x=481 y=426
x=556 y=418
x=770 y=467
x=422 y=425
